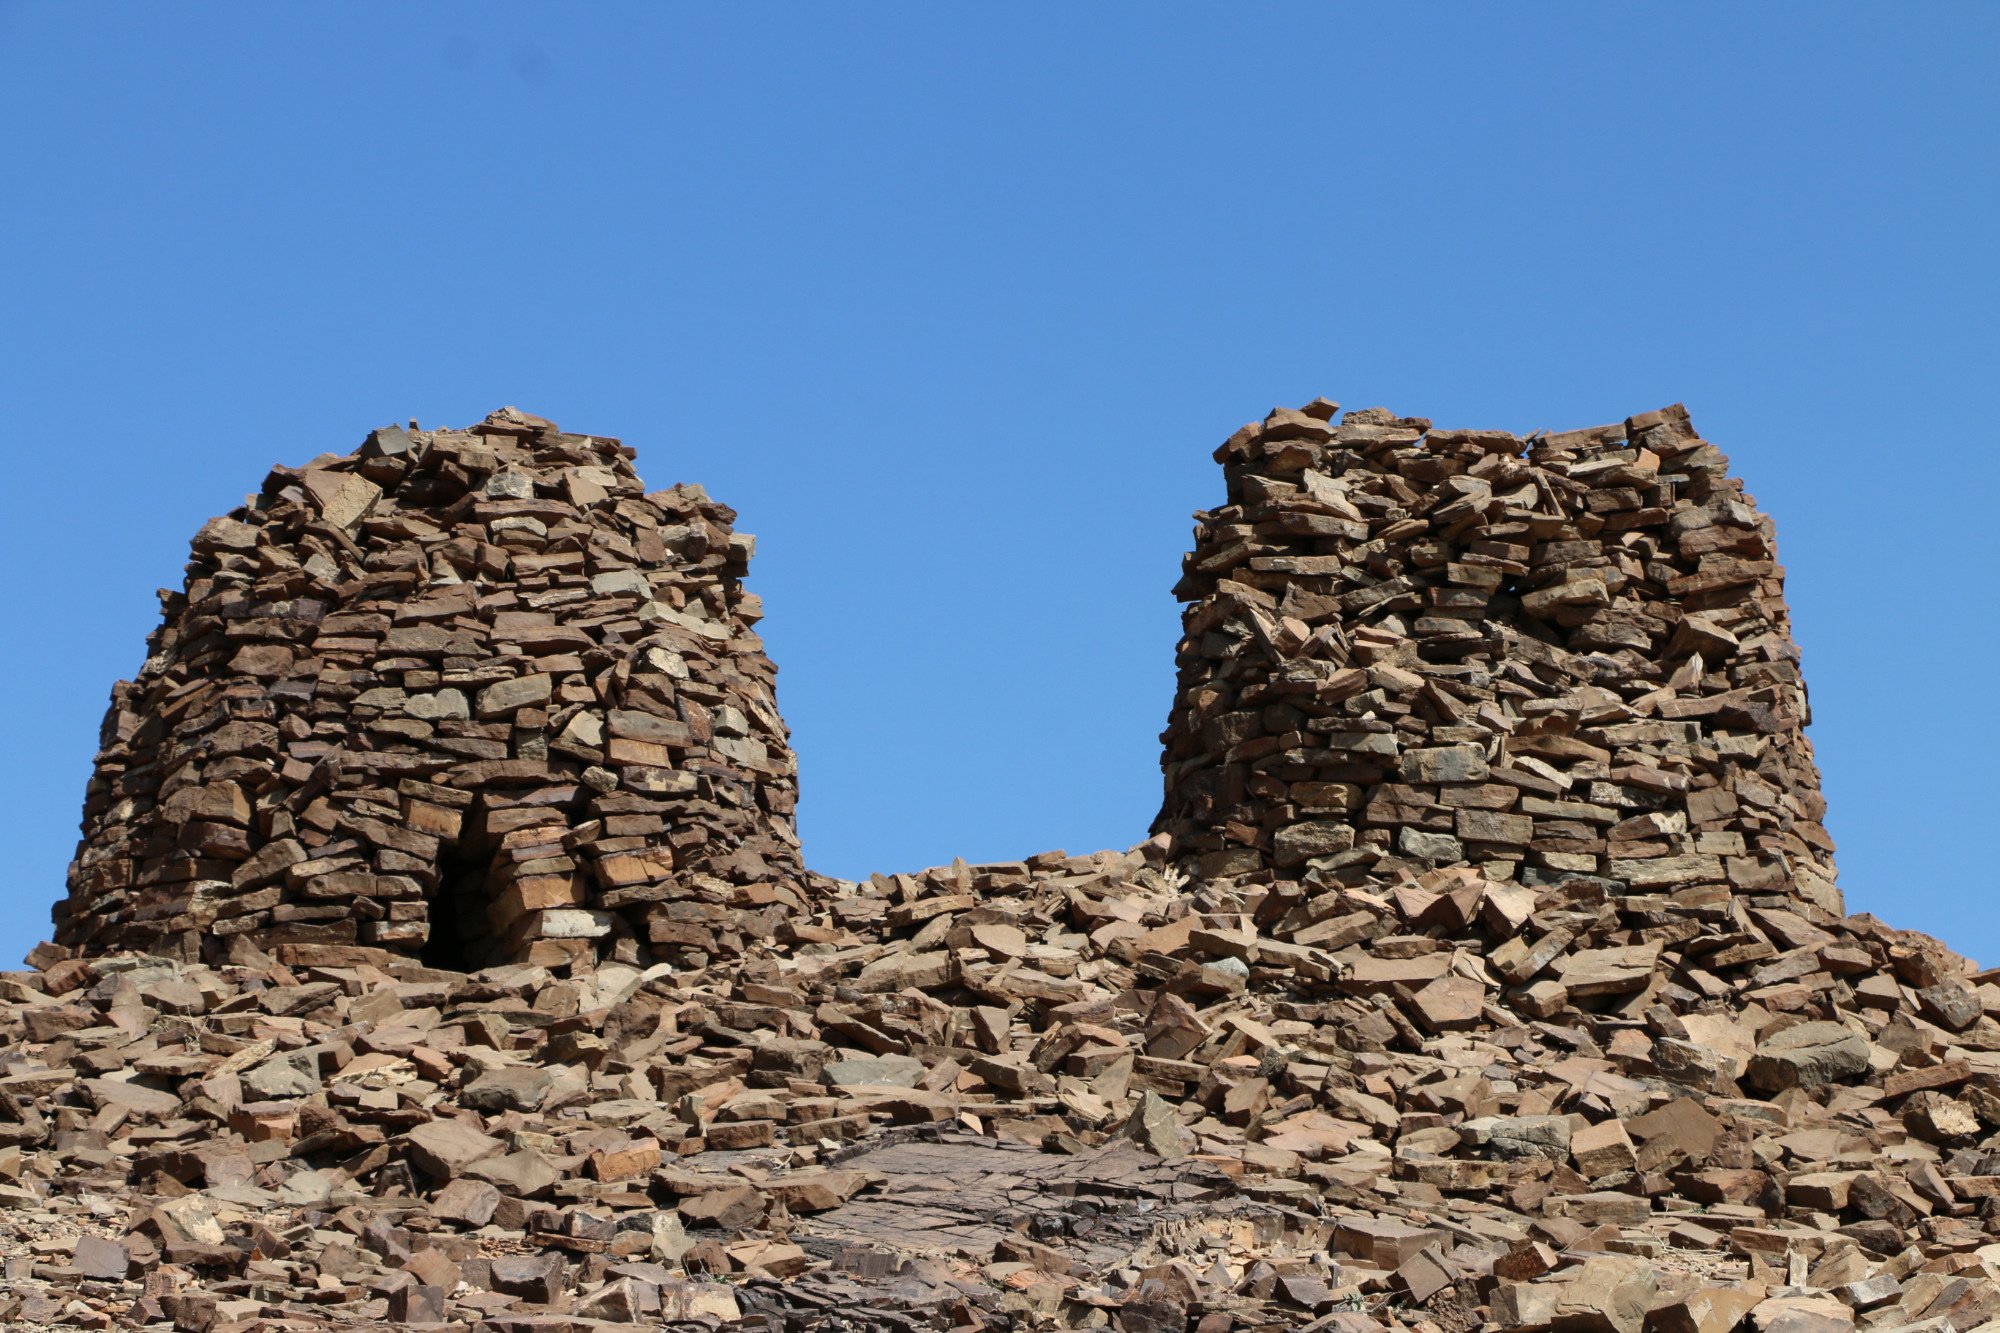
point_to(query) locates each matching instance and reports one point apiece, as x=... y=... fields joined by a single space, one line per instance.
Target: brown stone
x=1486 y=966
x=734 y=1209
x=97 y=1257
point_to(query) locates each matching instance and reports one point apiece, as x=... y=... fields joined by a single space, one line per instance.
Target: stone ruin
x=1545 y=659
x=477 y=696
x=473 y=695
x=1485 y=967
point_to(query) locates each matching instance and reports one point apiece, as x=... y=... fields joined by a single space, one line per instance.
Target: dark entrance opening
x=460 y=937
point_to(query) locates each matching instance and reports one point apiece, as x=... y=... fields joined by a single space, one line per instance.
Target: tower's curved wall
x=473 y=695
x=1407 y=648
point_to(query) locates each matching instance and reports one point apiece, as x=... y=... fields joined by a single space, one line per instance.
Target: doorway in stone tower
x=460 y=936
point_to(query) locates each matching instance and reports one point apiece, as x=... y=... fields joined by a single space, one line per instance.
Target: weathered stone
x=732 y=1209
x=1601 y=1149
x=883 y=1071
x=446 y=1147
x=469 y=1202
x=1612 y=971
x=1154 y=1127
x=512 y=1088
x=1807 y=1056
x=1545 y=1136
x=1707 y=1310
x=283 y=1077
x=816 y=1191
x=1296 y=844
x=97 y=1257
x=526 y=1174
x=509 y=696
x=1607 y=1295
x=1446 y=763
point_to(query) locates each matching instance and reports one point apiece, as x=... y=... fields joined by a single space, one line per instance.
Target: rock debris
x=439 y=951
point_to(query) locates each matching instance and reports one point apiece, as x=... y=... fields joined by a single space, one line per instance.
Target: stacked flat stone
x=473 y=694
x=1486 y=971
x=1565 y=656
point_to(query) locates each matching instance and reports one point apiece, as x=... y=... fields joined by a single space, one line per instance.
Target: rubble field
x=1485 y=968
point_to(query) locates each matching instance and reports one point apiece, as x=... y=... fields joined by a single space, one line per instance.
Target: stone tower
x=471 y=695
x=1408 y=649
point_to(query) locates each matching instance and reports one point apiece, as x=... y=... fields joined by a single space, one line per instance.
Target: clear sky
x=953 y=301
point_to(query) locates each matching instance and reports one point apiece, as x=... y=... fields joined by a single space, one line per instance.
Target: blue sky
x=952 y=302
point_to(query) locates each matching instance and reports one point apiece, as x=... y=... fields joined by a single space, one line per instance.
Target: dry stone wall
x=474 y=695
x=1486 y=970
x=1559 y=657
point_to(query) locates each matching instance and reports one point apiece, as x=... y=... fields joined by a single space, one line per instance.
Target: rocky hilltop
x=438 y=951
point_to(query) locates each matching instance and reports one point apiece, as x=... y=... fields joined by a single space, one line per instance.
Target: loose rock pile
x=1625 y=1065
x=471 y=694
